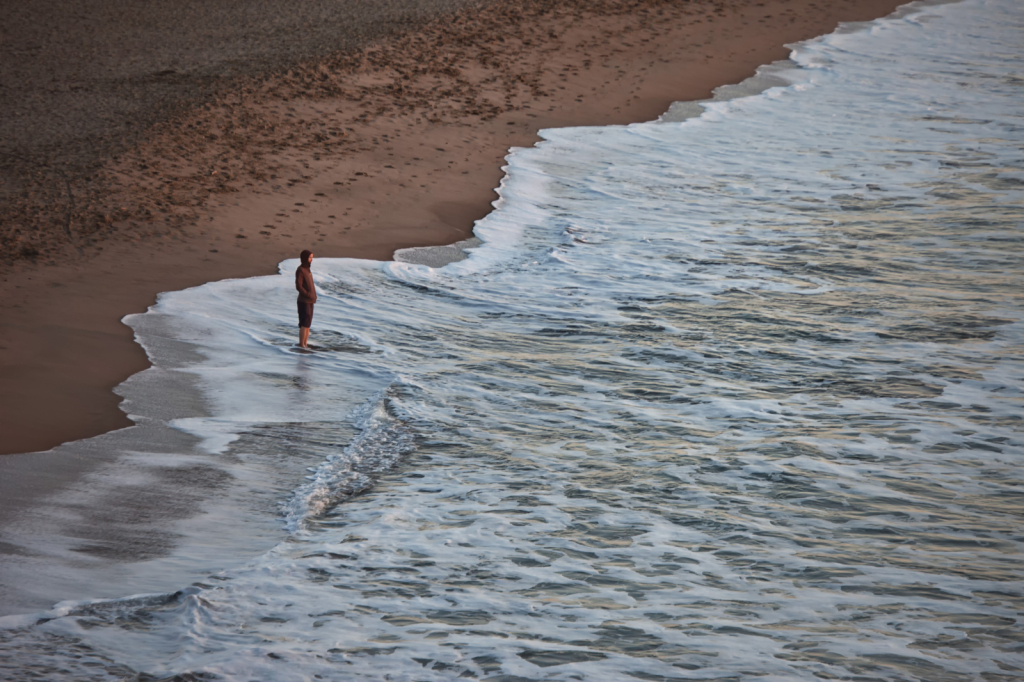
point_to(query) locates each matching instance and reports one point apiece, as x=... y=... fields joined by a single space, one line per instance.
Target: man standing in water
x=307 y=296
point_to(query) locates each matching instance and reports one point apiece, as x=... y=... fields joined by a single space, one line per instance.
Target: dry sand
x=397 y=143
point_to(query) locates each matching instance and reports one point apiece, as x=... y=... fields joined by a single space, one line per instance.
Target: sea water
x=737 y=396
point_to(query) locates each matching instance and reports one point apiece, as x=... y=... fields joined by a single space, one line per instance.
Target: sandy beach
x=384 y=134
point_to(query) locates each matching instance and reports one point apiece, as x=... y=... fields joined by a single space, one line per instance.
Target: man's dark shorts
x=305 y=314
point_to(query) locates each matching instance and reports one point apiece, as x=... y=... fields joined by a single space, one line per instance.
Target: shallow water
x=737 y=397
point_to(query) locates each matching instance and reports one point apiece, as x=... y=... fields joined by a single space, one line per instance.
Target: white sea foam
x=383 y=440
x=730 y=397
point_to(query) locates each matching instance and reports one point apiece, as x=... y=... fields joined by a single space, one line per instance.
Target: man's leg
x=303 y=336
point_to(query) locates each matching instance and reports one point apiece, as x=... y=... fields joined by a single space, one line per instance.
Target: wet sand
x=394 y=143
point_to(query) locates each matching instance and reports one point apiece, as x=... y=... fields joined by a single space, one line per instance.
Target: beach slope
x=350 y=137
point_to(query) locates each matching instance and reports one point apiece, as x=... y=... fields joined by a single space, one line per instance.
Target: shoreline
x=394 y=146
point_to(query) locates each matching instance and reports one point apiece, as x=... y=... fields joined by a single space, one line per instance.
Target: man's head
x=307 y=257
